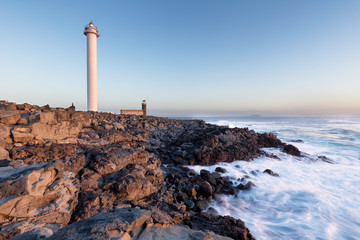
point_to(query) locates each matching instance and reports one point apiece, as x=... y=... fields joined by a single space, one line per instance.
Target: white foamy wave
x=342 y=121
x=224 y=123
x=311 y=199
x=306 y=200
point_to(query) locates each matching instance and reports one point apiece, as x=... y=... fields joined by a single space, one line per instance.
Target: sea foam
x=312 y=199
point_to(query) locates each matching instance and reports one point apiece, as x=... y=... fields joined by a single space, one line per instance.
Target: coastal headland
x=67 y=174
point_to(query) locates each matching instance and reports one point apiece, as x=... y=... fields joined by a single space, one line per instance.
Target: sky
x=186 y=58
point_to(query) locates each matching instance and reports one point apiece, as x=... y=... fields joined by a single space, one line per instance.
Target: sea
x=313 y=198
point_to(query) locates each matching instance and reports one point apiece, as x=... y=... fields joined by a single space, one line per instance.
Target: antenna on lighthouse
x=92 y=34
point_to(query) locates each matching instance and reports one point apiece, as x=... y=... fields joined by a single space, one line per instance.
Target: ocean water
x=312 y=199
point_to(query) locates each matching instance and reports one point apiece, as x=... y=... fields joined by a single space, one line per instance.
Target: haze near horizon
x=186 y=58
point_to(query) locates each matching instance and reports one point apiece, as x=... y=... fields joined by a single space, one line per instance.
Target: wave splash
x=312 y=199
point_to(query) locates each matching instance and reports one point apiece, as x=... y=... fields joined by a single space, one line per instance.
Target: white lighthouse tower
x=92 y=34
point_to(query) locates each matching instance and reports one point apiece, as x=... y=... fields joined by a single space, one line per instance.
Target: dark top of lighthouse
x=91 y=29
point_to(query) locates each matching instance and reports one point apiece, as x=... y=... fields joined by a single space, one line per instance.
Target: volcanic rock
x=129 y=223
x=35 y=196
x=225 y=226
x=292 y=150
x=206 y=189
x=9 y=117
x=4 y=131
x=220 y=170
x=270 y=172
x=68 y=174
x=3 y=154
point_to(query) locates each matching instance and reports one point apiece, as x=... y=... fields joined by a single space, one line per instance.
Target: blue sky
x=186 y=58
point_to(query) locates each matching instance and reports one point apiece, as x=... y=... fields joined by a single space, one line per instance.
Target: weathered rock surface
x=64 y=174
x=113 y=224
x=8 y=117
x=4 y=131
x=197 y=143
x=3 y=154
x=129 y=223
x=38 y=195
x=20 y=137
x=229 y=226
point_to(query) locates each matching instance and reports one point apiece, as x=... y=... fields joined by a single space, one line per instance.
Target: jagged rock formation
x=66 y=174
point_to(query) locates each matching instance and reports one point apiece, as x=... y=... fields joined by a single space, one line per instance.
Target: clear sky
x=186 y=57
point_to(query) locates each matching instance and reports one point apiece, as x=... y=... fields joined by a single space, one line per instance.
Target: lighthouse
x=92 y=33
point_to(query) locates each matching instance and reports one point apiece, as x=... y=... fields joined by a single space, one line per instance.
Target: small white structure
x=92 y=34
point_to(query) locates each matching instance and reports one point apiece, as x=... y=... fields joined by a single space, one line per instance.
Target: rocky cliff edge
x=67 y=174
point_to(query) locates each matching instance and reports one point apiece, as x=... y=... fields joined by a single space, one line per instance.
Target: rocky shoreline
x=67 y=174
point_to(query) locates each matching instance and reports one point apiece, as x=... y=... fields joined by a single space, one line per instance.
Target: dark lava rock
x=228 y=190
x=325 y=159
x=205 y=144
x=270 y=172
x=204 y=172
x=220 y=170
x=292 y=150
x=206 y=189
x=247 y=186
x=212 y=178
x=222 y=225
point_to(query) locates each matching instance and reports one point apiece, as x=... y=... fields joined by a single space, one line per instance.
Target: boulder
x=34 y=117
x=9 y=117
x=22 y=121
x=47 y=117
x=3 y=154
x=20 y=137
x=56 y=131
x=22 y=129
x=206 y=189
x=4 y=131
x=292 y=150
x=220 y=170
x=270 y=172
